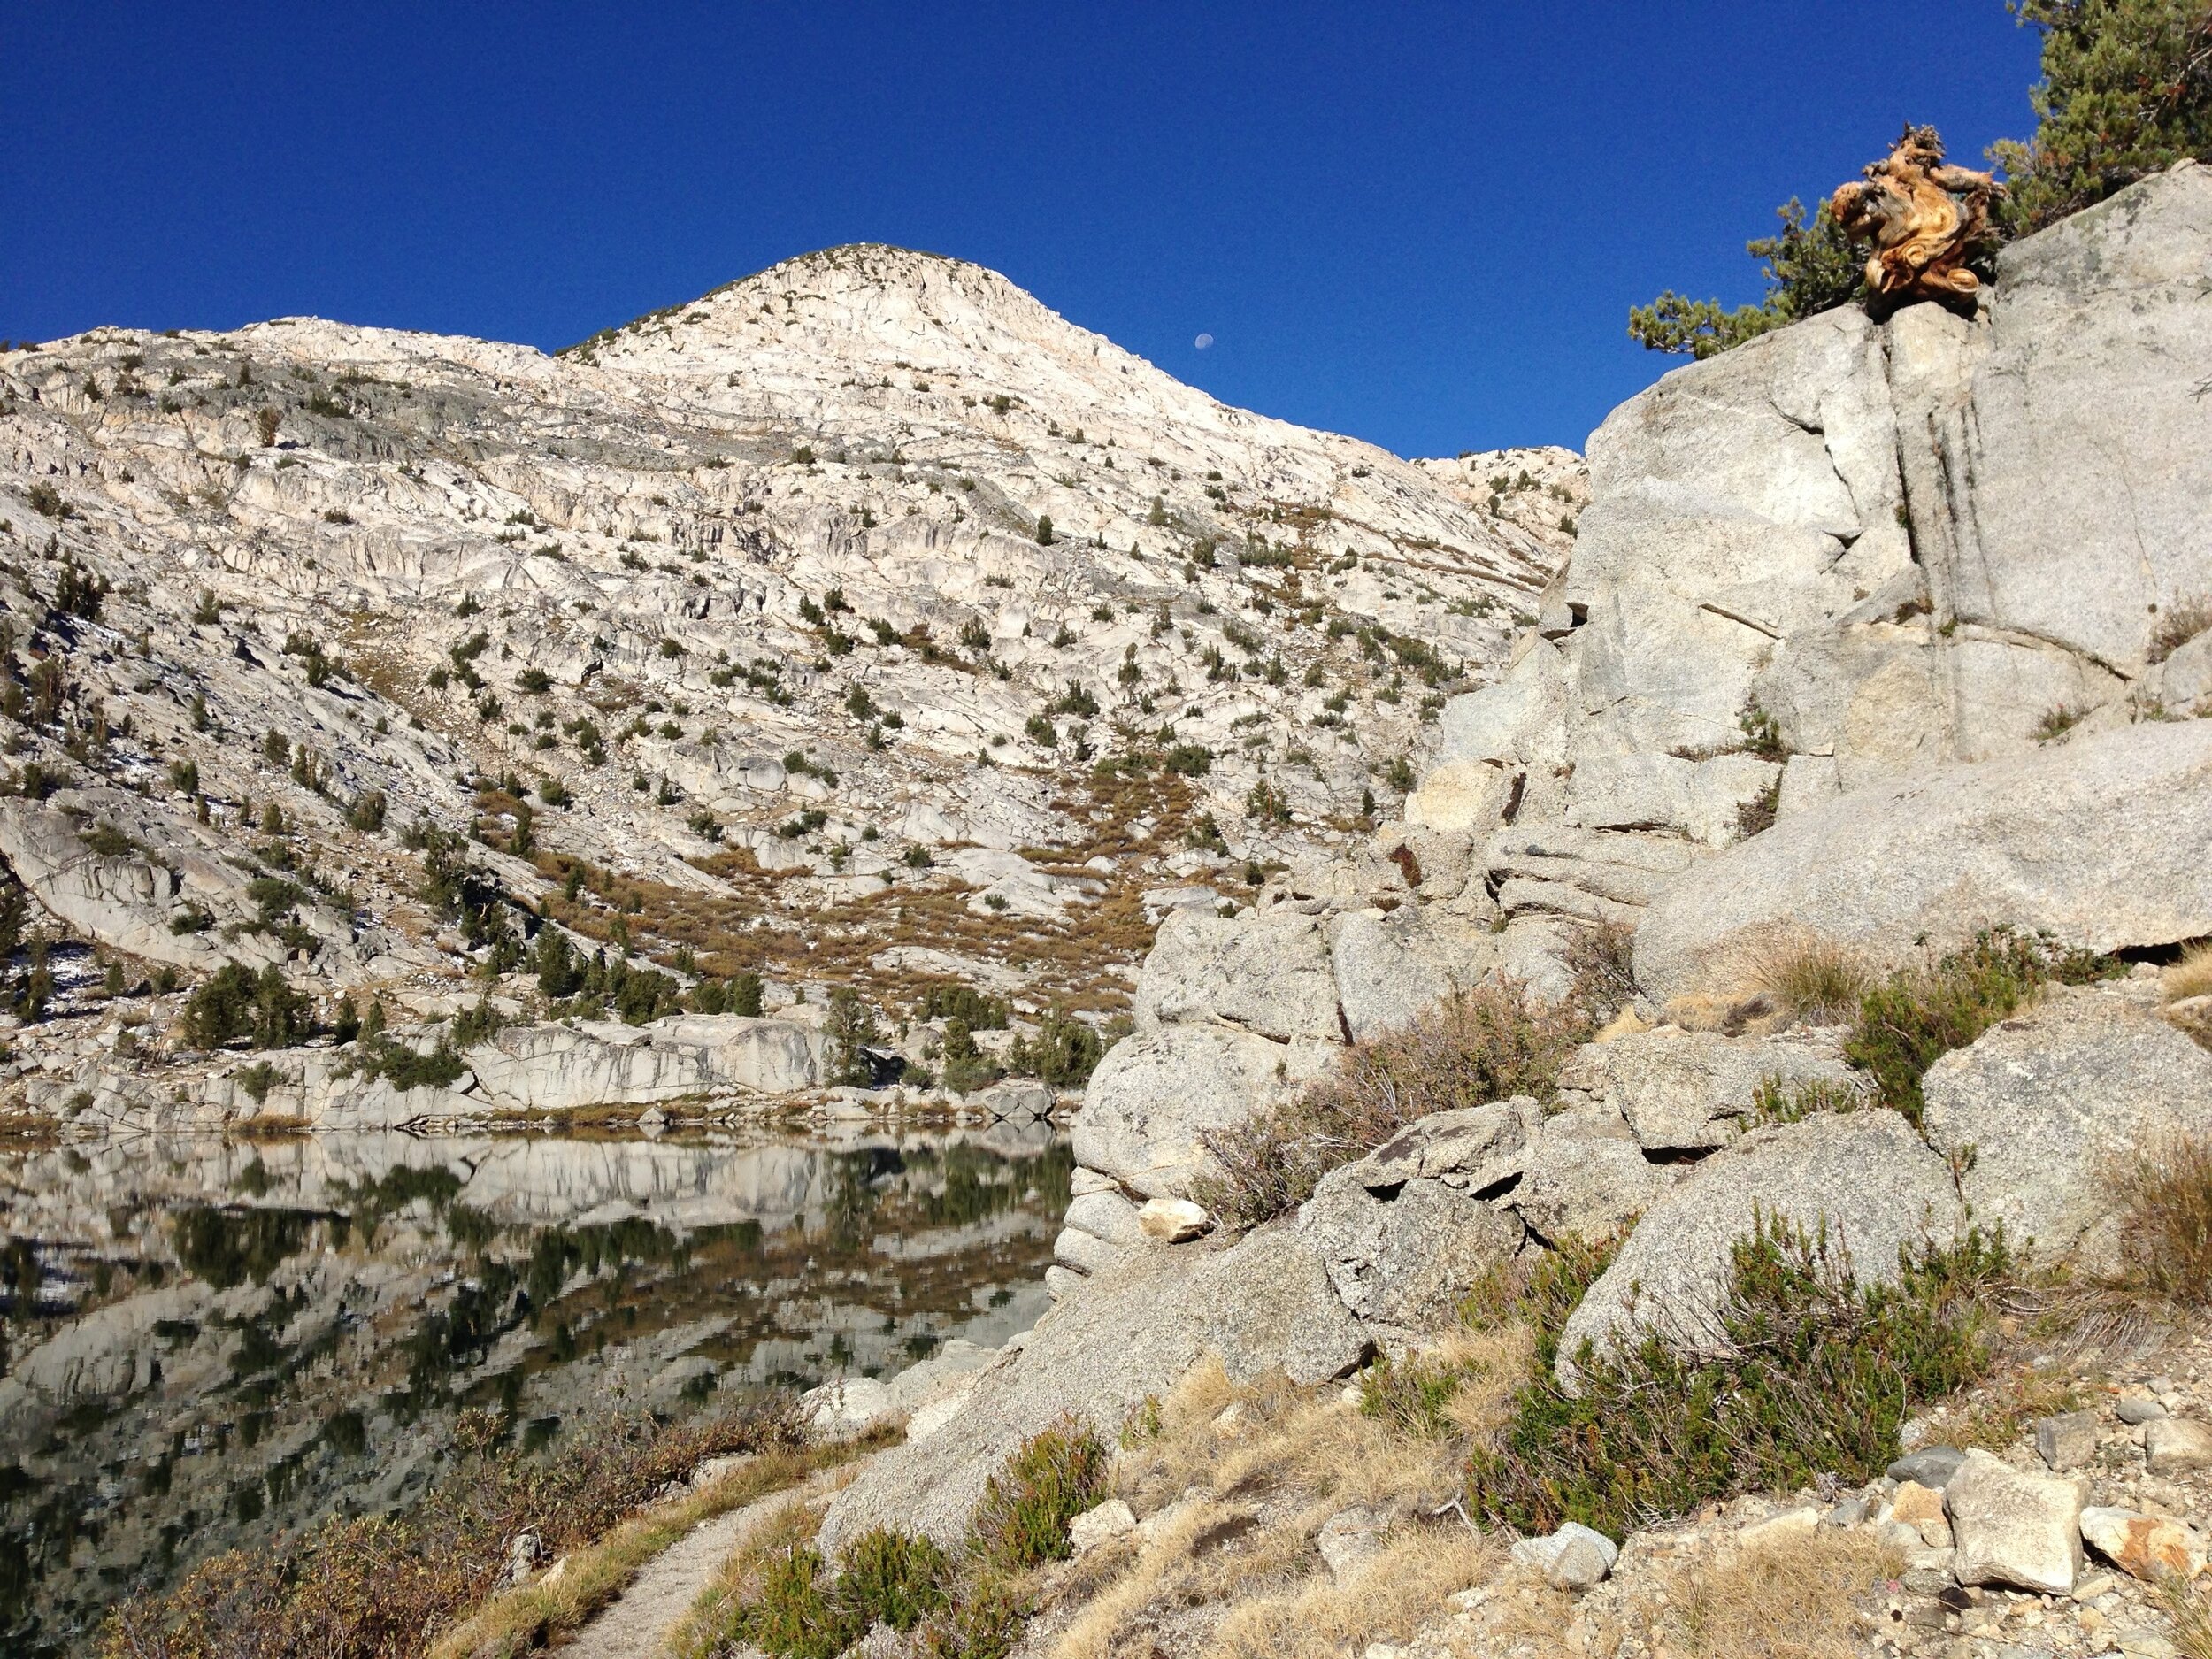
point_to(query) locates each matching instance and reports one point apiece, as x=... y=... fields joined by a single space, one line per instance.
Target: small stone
x=1173 y=1220
x=2144 y=1644
x=2135 y=1410
x=2174 y=1446
x=1849 y=1512
x=1788 y=1523
x=525 y=1550
x=1573 y=1558
x=1095 y=1527
x=1350 y=1539
x=2067 y=1441
x=1920 y=1510
x=2149 y=1547
x=1931 y=1466
x=2013 y=1528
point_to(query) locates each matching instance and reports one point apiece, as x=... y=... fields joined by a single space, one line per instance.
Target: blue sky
x=1420 y=224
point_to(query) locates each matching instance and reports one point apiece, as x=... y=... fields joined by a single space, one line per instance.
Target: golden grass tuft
x=1238 y=1478
x=2166 y=1223
x=1802 y=1597
x=2192 y=1614
x=1401 y=1588
x=1807 y=976
x=2192 y=976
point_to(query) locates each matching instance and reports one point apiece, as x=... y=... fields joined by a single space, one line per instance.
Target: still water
x=206 y=1343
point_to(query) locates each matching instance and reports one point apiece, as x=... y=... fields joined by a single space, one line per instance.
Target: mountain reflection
x=207 y=1343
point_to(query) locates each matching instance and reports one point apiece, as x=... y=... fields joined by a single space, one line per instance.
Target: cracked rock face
x=1848 y=553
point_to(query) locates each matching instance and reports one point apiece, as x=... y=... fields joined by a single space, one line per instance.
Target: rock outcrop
x=1847 y=552
x=2103 y=841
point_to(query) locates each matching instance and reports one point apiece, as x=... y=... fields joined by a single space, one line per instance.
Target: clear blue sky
x=1420 y=224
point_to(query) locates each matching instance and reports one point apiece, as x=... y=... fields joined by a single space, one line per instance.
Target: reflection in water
x=203 y=1343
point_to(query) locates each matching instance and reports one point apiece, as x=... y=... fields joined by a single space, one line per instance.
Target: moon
x=1203 y=342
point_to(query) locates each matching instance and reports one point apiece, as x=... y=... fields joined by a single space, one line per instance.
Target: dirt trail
x=637 y=1626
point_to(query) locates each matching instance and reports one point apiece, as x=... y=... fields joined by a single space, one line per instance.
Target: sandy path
x=638 y=1624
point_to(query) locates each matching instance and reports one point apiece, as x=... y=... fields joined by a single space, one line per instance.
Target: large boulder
x=119 y=871
x=1403 y=1255
x=1157 y=1094
x=1130 y=1332
x=2104 y=842
x=1268 y=975
x=1865 y=1177
x=2088 y=450
x=1585 y=1176
x=2038 y=1113
x=1404 y=1231
x=1392 y=968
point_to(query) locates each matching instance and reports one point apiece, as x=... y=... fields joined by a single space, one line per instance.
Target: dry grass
x=1809 y=977
x=377 y=1587
x=1240 y=1477
x=1995 y=1414
x=2166 y=1228
x=2192 y=976
x=2178 y=624
x=536 y=1615
x=1402 y=1588
x=1795 y=1598
x=2192 y=1614
x=1476 y=1047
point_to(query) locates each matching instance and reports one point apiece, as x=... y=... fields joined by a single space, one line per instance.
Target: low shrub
x=1479 y=1046
x=1064 y=1052
x=1807 y=1372
x=1021 y=1521
x=1778 y=1100
x=1920 y=1014
x=893 y=1577
x=780 y=1594
x=1600 y=959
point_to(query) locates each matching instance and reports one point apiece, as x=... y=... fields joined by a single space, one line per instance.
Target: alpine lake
x=208 y=1343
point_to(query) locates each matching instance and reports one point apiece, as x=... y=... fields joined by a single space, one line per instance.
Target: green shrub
x=1809 y=269
x=1064 y=1052
x=793 y=1616
x=746 y=994
x=1479 y=1046
x=2126 y=92
x=1920 y=1014
x=1809 y=1374
x=234 y=1002
x=1779 y=1102
x=1022 y=1520
x=948 y=999
x=892 y=1578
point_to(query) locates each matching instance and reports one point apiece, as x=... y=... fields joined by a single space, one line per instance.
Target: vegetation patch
x=1479 y=1046
x=780 y=1594
x=1808 y=1374
x=1920 y=1014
